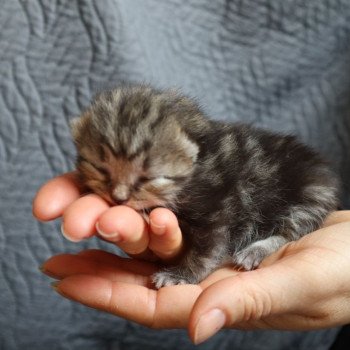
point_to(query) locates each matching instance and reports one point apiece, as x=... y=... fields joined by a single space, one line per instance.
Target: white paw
x=166 y=279
x=250 y=257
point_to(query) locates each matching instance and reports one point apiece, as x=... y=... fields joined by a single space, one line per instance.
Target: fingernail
x=69 y=238
x=209 y=324
x=157 y=229
x=54 y=285
x=47 y=273
x=112 y=235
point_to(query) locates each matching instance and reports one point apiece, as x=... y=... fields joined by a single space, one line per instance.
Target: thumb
x=244 y=298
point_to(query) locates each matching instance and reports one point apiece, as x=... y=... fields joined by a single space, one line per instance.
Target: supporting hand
x=305 y=285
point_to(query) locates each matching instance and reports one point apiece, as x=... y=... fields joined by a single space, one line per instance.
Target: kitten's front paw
x=172 y=276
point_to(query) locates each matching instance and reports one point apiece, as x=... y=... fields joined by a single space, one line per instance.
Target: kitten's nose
x=121 y=194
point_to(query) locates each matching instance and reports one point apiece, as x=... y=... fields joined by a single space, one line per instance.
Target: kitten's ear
x=191 y=149
x=75 y=126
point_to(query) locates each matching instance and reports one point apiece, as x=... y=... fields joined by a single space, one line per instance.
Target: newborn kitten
x=238 y=192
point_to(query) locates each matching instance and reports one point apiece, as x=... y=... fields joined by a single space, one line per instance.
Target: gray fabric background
x=283 y=65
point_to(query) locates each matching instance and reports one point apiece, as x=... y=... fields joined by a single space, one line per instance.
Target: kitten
x=239 y=193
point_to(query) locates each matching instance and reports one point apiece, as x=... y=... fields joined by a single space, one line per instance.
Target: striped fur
x=239 y=192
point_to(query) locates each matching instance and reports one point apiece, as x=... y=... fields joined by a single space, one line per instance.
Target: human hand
x=305 y=285
x=85 y=215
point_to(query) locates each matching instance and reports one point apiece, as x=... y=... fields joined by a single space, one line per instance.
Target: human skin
x=303 y=286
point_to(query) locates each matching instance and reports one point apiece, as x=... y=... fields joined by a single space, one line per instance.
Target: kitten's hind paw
x=251 y=257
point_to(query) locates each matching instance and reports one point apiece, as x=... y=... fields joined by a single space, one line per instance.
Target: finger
x=132 y=265
x=52 y=198
x=168 y=307
x=337 y=217
x=80 y=217
x=165 y=234
x=125 y=227
x=64 y=265
x=218 y=275
x=246 y=297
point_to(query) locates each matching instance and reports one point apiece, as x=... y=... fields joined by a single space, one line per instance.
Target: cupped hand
x=85 y=215
x=305 y=285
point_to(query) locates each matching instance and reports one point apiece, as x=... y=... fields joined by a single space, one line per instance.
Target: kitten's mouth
x=142 y=207
x=147 y=210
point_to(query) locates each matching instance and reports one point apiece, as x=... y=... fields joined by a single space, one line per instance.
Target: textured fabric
x=283 y=65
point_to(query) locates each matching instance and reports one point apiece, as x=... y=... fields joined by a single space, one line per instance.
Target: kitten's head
x=132 y=149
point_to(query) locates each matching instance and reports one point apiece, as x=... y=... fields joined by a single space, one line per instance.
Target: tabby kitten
x=239 y=193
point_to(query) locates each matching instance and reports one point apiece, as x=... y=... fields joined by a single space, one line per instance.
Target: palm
x=130 y=280
x=299 y=274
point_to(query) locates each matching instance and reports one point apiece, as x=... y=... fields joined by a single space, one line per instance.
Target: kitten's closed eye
x=141 y=181
x=100 y=168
